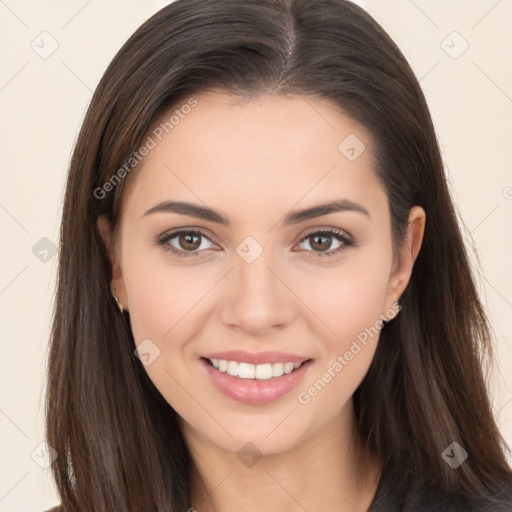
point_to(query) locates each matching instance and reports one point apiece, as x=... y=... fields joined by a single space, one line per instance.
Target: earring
x=119 y=305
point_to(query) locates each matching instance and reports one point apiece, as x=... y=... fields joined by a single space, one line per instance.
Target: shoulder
x=57 y=508
x=426 y=501
x=415 y=498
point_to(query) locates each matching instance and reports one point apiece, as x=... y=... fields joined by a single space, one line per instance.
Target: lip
x=242 y=356
x=253 y=391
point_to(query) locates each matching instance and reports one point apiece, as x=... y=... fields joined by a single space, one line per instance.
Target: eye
x=321 y=241
x=184 y=242
x=190 y=242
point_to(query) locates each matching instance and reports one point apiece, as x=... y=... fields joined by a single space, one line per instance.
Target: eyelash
x=346 y=241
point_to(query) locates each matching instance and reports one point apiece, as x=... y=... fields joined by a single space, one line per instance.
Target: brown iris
x=321 y=242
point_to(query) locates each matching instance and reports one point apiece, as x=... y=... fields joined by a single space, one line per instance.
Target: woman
x=264 y=300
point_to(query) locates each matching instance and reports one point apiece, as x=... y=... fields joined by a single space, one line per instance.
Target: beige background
x=42 y=103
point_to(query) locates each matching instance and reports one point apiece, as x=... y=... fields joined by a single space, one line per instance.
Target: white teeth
x=277 y=369
x=288 y=367
x=263 y=371
x=245 y=370
x=232 y=368
x=253 y=371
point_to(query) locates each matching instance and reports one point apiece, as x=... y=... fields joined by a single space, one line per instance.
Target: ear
x=403 y=264
x=117 y=284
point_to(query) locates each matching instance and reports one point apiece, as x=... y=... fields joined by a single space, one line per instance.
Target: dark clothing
x=415 y=499
x=387 y=499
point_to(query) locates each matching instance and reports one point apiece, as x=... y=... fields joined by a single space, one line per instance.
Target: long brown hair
x=118 y=442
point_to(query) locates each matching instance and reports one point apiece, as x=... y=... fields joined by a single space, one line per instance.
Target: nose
x=257 y=299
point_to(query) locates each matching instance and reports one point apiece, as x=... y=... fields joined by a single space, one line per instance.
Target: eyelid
x=323 y=229
x=188 y=229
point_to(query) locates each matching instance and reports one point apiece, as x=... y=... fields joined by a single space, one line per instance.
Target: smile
x=255 y=379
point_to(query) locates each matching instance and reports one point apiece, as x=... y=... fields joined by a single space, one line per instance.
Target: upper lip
x=243 y=356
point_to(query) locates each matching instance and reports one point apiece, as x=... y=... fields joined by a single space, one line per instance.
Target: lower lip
x=255 y=392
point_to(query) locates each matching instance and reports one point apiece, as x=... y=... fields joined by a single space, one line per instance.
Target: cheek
x=350 y=302
x=164 y=308
x=351 y=299
x=351 y=307
x=161 y=295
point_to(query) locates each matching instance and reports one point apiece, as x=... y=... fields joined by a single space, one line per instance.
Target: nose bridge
x=255 y=277
x=258 y=300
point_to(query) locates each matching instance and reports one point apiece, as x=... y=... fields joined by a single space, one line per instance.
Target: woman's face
x=259 y=275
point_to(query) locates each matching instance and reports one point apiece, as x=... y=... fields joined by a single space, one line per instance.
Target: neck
x=320 y=473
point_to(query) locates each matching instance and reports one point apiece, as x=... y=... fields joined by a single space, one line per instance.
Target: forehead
x=272 y=149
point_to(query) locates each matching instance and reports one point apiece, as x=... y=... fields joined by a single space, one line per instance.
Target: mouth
x=266 y=371
x=268 y=377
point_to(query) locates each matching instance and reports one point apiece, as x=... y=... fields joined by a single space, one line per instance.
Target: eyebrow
x=208 y=214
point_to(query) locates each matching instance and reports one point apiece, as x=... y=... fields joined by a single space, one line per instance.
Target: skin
x=254 y=161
